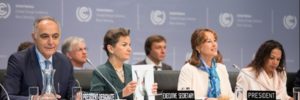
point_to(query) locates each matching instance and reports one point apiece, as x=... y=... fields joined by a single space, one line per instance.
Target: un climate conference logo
x=4 y=10
x=158 y=17
x=289 y=21
x=84 y=14
x=226 y=19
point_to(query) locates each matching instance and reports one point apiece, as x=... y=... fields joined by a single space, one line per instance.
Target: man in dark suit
x=24 y=68
x=155 y=49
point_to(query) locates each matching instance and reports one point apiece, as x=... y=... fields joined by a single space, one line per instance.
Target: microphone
x=116 y=92
x=238 y=68
x=78 y=84
x=5 y=91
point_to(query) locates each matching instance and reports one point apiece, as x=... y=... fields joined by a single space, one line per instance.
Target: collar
x=78 y=68
x=149 y=61
x=203 y=66
x=204 y=63
x=40 y=57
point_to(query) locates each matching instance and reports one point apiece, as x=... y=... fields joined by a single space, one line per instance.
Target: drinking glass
x=76 y=93
x=238 y=93
x=33 y=91
x=296 y=93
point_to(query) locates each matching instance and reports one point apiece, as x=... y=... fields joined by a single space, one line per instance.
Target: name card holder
x=97 y=96
x=261 y=95
x=178 y=95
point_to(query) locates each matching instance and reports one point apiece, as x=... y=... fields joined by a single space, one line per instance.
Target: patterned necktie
x=47 y=63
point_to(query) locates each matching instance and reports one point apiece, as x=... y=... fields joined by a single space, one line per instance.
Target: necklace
x=120 y=74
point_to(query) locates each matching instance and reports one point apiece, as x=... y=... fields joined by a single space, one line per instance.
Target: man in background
x=155 y=49
x=75 y=49
x=25 y=45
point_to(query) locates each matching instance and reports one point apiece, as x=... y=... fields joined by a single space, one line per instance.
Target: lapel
x=127 y=72
x=277 y=83
x=56 y=64
x=115 y=80
x=36 y=68
x=263 y=81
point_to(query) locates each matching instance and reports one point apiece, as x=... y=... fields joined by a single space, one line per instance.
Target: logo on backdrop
x=289 y=21
x=84 y=14
x=226 y=19
x=4 y=10
x=158 y=17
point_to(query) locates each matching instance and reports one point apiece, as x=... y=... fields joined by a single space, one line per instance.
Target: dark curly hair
x=263 y=54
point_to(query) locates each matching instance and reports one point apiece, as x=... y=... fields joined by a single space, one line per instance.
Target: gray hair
x=70 y=42
x=38 y=20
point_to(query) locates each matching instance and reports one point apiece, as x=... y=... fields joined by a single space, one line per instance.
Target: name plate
x=261 y=95
x=178 y=95
x=97 y=96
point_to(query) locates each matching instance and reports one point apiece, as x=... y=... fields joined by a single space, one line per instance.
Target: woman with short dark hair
x=117 y=45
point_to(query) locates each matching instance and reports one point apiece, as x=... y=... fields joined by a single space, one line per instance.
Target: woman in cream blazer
x=266 y=71
x=194 y=79
x=202 y=74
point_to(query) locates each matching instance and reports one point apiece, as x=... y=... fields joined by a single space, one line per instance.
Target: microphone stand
x=78 y=84
x=116 y=92
x=5 y=91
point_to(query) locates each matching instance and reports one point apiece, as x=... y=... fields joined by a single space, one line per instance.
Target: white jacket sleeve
x=185 y=78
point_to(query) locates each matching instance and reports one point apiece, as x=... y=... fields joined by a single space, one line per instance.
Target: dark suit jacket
x=98 y=83
x=164 y=65
x=24 y=70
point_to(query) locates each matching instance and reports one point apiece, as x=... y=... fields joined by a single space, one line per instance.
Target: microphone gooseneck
x=236 y=67
x=5 y=91
x=239 y=69
x=78 y=84
x=116 y=92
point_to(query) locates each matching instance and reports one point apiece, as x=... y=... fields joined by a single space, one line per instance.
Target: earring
x=198 y=51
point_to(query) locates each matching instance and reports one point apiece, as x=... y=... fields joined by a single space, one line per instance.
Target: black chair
x=2 y=74
x=166 y=79
x=84 y=77
x=291 y=76
x=232 y=79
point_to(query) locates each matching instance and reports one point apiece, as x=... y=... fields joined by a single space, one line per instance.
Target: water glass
x=33 y=91
x=296 y=93
x=238 y=93
x=76 y=93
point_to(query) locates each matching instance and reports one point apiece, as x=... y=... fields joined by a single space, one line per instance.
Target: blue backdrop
x=242 y=25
